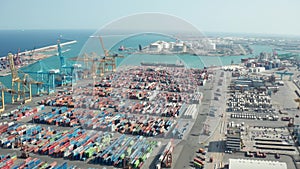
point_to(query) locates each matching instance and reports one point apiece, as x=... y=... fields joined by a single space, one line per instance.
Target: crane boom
x=104 y=49
x=14 y=72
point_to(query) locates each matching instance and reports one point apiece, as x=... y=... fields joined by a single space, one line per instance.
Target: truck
x=202 y=151
x=285 y=118
x=260 y=154
x=248 y=154
x=198 y=161
x=201 y=157
x=211 y=159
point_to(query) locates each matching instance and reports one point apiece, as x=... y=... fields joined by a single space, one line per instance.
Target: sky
x=235 y=16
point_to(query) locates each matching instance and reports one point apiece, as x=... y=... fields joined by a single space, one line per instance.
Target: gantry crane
x=45 y=76
x=94 y=68
x=103 y=66
x=63 y=66
x=86 y=60
x=290 y=74
x=16 y=81
x=111 y=58
x=2 y=100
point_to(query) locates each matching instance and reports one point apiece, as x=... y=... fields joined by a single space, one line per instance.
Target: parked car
x=249 y=154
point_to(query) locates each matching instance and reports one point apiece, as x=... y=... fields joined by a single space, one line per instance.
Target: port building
x=250 y=164
x=233 y=139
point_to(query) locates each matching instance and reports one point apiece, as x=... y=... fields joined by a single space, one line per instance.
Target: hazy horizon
x=234 y=16
x=206 y=33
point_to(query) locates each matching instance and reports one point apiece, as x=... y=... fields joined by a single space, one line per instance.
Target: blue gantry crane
x=67 y=77
x=51 y=77
x=285 y=73
x=45 y=75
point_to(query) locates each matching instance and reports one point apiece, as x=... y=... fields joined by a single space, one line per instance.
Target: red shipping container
x=5 y=167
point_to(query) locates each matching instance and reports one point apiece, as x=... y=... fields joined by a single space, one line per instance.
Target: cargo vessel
x=162 y=64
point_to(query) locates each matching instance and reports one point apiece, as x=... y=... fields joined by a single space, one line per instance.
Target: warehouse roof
x=250 y=164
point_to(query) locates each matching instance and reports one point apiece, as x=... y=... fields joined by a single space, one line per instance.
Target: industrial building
x=160 y=46
x=250 y=164
x=233 y=139
x=297 y=133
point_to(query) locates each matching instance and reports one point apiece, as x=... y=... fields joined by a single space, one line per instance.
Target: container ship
x=162 y=64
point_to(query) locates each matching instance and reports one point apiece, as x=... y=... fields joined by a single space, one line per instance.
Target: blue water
x=11 y=40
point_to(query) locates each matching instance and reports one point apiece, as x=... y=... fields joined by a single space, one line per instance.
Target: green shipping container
x=144 y=157
x=128 y=152
x=122 y=156
x=137 y=162
x=197 y=165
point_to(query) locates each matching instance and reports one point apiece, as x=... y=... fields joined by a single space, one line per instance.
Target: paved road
x=191 y=143
x=217 y=140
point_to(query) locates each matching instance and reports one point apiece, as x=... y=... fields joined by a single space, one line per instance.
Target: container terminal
x=154 y=116
x=101 y=122
x=113 y=121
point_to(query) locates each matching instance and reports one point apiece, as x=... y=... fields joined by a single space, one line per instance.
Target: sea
x=28 y=40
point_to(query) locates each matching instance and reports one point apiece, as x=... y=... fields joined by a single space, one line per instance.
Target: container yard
x=77 y=144
x=109 y=105
x=8 y=161
x=110 y=121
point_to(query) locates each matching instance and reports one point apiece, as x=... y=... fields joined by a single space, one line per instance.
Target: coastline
x=38 y=55
x=43 y=49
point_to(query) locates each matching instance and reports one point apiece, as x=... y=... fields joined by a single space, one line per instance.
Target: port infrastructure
x=92 y=58
x=21 y=84
x=111 y=57
x=2 y=100
x=106 y=63
x=68 y=77
x=47 y=76
x=290 y=74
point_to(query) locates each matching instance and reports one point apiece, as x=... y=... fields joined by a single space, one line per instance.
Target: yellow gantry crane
x=106 y=63
x=2 y=101
x=110 y=58
x=91 y=68
x=21 y=86
x=86 y=60
x=2 y=90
